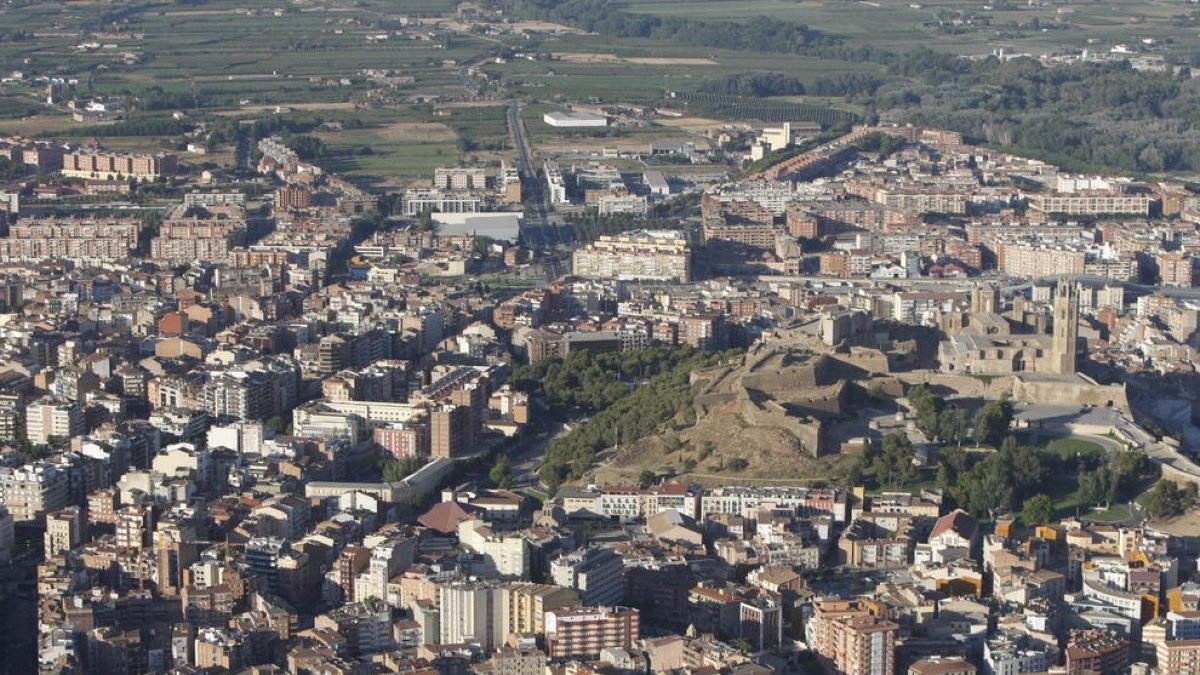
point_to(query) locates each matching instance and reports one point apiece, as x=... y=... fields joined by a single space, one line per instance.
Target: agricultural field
x=226 y=52
x=636 y=70
x=959 y=26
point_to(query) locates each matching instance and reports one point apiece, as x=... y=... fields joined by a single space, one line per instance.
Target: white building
x=471 y=613
x=33 y=490
x=504 y=554
x=46 y=418
x=1005 y=656
x=574 y=119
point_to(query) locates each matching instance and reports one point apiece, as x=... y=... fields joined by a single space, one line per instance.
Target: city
x=595 y=386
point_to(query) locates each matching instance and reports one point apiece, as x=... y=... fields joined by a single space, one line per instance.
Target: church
x=982 y=341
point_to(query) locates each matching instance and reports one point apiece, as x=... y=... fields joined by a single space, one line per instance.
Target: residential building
x=582 y=632
x=663 y=255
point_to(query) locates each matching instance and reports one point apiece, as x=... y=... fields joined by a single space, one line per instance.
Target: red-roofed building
x=957 y=529
x=445 y=516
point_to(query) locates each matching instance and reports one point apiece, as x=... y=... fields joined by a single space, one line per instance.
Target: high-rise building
x=594 y=572
x=471 y=613
x=851 y=640
x=33 y=490
x=582 y=632
x=525 y=605
x=65 y=529
x=449 y=431
x=47 y=418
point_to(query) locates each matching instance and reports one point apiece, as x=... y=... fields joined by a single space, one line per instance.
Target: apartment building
x=81 y=240
x=525 y=604
x=583 y=632
x=850 y=640
x=194 y=233
x=510 y=184
x=470 y=613
x=611 y=204
x=1097 y=651
x=110 y=165
x=460 y=178
x=662 y=255
x=418 y=201
x=33 y=490
x=1091 y=203
x=1178 y=269
x=846 y=264
x=595 y=573
x=556 y=184
x=1031 y=261
x=7 y=535
x=47 y=418
x=1178 y=657
x=65 y=529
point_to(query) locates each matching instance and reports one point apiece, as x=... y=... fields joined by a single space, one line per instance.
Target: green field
x=409 y=160
x=970 y=28
x=223 y=56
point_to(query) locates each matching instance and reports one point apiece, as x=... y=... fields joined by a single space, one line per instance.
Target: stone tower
x=985 y=300
x=1063 y=346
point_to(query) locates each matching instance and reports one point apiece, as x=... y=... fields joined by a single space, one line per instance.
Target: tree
x=1167 y=500
x=646 y=478
x=992 y=422
x=985 y=490
x=1037 y=510
x=1130 y=468
x=1095 y=487
x=277 y=424
x=306 y=147
x=952 y=425
x=854 y=472
x=894 y=465
x=738 y=464
x=501 y=473
x=1027 y=467
x=952 y=464
x=398 y=469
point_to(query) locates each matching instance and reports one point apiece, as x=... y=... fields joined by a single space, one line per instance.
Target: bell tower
x=1064 y=345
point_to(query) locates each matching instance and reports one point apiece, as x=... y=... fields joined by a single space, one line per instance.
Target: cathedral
x=983 y=341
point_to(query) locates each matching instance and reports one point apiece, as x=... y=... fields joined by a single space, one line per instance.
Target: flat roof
x=504 y=226
x=575 y=116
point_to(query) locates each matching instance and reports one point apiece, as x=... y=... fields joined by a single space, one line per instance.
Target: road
x=539 y=231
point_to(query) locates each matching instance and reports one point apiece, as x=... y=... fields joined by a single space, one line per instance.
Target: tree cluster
x=754 y=84
x=136 y=126
x=1006 y=477
x=593 y=382
x=937 y=420
x=635 y=415
x=394 y=469
x=1167 y=499
x=760 y=33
